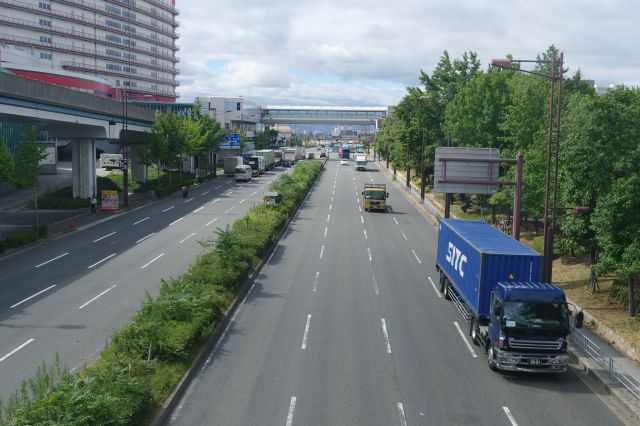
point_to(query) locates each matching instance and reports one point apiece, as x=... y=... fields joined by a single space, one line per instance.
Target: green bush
x=21 y=238
x=148 y=355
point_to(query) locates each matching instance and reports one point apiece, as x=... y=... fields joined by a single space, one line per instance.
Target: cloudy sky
x=356 y=52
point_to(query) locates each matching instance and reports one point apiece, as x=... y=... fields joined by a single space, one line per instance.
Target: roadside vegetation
x=459 y=104
x=148 y=356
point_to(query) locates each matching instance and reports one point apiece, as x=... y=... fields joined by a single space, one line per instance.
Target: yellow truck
x=374 y=196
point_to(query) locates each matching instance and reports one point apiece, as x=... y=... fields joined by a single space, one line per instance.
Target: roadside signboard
x=476 y=171
x=232 y=141
x=109 y=200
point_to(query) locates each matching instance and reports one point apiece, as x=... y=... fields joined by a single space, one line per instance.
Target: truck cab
x=361 y=163
x=374 y=196
x=527 y=328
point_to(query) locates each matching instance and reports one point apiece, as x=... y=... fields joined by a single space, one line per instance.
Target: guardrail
x=616 y=373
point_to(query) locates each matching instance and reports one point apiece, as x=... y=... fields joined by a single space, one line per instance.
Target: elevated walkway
x=273 y=114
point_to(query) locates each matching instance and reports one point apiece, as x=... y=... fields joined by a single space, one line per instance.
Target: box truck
x=269 y=158
x=521 y=323
x=289 y=157
x=230 y=164
x=361 y=163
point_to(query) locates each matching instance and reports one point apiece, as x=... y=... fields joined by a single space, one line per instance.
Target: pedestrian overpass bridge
x=336 y=115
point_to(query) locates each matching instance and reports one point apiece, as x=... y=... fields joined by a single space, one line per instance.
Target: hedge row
x=148 y=356
x=21 y=238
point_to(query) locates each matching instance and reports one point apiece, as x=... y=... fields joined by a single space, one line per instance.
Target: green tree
x=6 y=162
x=266 y=139
x=27 y=164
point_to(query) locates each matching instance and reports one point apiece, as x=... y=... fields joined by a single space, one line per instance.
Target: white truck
x=361 y=163
x=289 y=157
x=111 y=161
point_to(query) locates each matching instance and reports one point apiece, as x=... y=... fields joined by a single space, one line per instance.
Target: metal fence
x=616 y=373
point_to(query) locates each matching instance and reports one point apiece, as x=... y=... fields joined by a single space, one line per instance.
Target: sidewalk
x=615 y=372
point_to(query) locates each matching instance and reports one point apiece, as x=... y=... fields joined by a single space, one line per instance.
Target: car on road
x=311 y=156
x=323 y=155
x=344 y=162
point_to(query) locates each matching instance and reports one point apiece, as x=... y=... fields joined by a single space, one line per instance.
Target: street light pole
x=553 y=150
x=125 y=151
x=424 y=99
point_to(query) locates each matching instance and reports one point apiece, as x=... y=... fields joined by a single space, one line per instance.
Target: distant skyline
x=354 y=52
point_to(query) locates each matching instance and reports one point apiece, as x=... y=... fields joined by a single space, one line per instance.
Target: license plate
x=535 y=361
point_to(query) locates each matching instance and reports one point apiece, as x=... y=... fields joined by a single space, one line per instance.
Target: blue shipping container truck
x=494 y=281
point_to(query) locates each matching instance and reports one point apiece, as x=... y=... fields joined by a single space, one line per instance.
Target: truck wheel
x=446 y=291
x=473 y=331
x=491 y=357
x=442 y=283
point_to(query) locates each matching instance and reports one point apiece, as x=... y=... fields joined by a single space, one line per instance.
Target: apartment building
x=109 y=48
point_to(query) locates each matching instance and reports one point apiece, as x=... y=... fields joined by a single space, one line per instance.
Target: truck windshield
x=535 y=316
x=374 y=195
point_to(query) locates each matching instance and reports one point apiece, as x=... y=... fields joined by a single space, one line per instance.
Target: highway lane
x=344 y=327
x=72 y=304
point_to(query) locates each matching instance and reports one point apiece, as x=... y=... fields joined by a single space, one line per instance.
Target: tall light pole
x=125 y=151
x=553 y=149
x=425 y=99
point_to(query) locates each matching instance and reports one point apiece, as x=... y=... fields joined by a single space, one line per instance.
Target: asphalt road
x=343 y=327
x=68 y=295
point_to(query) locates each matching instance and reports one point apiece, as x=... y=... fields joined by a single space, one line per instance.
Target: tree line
x=459 y=104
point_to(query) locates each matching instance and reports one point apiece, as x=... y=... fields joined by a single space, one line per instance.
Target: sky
x=366 y=53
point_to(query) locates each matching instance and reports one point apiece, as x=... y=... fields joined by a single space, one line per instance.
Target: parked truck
x=277 y=158
x=374 y=196
x=269 y=158
x=230 y=164
x=111 y=161
x=521 y=323
x=257 y=165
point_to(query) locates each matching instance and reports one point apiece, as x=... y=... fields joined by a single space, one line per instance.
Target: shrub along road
x=344 y=327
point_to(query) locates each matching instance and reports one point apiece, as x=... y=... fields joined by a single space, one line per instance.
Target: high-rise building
x=105 y=47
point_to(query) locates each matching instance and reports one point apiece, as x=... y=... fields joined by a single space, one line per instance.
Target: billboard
x=476 y=171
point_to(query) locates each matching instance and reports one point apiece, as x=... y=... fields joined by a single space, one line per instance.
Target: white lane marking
x=394 y=219
x=330 y=207
x=242 y=201
x=321 y=252
x=359 y=208
x=229 y=192
x=325 y=231
x=369 y=251
x=434 y=287
x=192 y=234
x=362 y=219
x=144 y=238
x=404 y=236
x=32 y=296
x=176 y=221
x=386 y=335
x=332 y=198
x=272 y=253
x=102 y=238
x=334 y=191
x=253 y=193
x=403 y=418
x=375 y=284
x=315 y=282
x=51 y=260
x=198 y=209
x=95 y=298
x=228 y=183
x=186 y=201
x=167 y=209
x=16 y=350
x=365 y=233
x=229 y=209
x=219 y=186
x=509 y=415
x=292 y=407
x=217 y=199
x=416 y=256
x=205 y=193
x=140 y=221
x=152 y=260
x=464 y=339
x=306 y=332
x=100 y=261
x=211 y=221
x=328 y=217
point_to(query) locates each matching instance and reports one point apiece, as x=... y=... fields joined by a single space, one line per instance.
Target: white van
x=242 y=173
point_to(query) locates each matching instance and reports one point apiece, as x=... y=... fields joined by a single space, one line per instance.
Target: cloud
x=367 y=52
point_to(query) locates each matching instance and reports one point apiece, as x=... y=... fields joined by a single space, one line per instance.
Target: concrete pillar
x=83 y=164
x=138 y=170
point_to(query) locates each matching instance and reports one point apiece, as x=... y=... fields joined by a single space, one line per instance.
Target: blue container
x=475 y=257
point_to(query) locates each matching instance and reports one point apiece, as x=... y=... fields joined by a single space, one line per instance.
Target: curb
x=169 y=406
x=628 y=402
